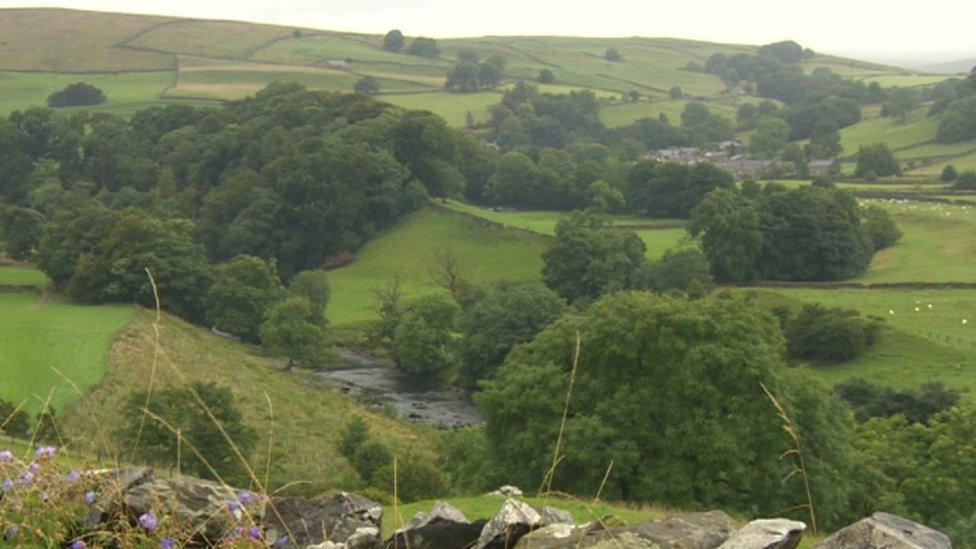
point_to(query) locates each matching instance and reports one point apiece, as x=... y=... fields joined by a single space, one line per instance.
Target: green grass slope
x=295 y=414
x=43 y=339
x=487 y=253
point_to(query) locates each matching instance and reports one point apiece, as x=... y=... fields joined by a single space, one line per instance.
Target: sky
x=935 y=29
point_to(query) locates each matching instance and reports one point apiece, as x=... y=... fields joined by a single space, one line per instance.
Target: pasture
x=452 y=107
x=623 y=114
x=486 y=253
x=925 y=338
x=937 y=245
x=40 y=337
x=129 y=90
x=896 y=134
x=22 y=277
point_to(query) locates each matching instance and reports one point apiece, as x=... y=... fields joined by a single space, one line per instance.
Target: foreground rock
x=767 y=534
x=516 y=519
x=887 y=531
x=199 y=504
x=443 y=527
x=685 y=531
x=341 y=521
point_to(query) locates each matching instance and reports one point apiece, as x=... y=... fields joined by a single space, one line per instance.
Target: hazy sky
x=894 y=27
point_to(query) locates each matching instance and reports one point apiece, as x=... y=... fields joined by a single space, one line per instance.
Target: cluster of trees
x=829 y=334
x=635 y=364
x=874 y=161
x=234 y=210
x=76 y=95
x=869 y=400
x=810 y=233
x=415 y=478
x=464 y=336
x=394 y=41
x=471 y=74
x=958 y=112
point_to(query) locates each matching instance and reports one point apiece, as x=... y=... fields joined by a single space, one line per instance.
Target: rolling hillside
x=145 y=59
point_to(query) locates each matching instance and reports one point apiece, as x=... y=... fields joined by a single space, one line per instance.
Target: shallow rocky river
x=377 y=385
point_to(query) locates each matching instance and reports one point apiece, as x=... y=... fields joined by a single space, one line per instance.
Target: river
x=376 y=385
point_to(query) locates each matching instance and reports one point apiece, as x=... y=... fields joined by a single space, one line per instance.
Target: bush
x=683 y=269
x=180 y=409
x=369 y=458
x=819 y=333
x=880 y=228
x=75 y=95
x=416 y=479
x=949 y=173
x=546 y=76
x=869 y=400
x=613 y=54
x=875 y=161
x=424 y=47
x=966 y=180
x=13 y=421
x=422 y=339
x=367 y=84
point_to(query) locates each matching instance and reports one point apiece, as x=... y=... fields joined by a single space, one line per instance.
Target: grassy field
x=59 y=40
x=22 y=90
x=487 y=253
x=962 y=163
x=452 y=107
x=915 y=346
x=896 y=134
x=40 y=335
x=296 y=413
x=937 y=245
x=622 y=114
x=22 y=276
x=211 y=38
x=905 y=80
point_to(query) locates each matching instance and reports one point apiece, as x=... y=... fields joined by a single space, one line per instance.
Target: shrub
x=875 y=161
x=819 y=333
x=422 y=339
x=370 y=457
x=416 y=479
x=966 y=180
x=949 y=173
x=77 y=94
x=613 y=54
x=180 y=409
x=880 y=228
x=367 y=84
x=13 y=421
x=683 y=269
x=869 y=400
x=546 y=76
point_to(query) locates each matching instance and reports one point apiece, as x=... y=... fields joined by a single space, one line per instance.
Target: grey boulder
x=516 y=519
x=344 y=520
x=443 y=527
x=767 y=534
x=887 y=531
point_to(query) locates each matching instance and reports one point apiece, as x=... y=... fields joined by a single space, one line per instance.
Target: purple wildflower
x=236 y=532
x=167 y=543
x=90 y=498
x=5 y=456
x=11 y=532
x=281 y=541
x=34 y=467
x=233 y=506
x=7 y=485
x=245 y=498
x=149 y=521
x=74 y=475
x=254 y=532
x=28 y=477
x=45 y=452
x=79 y=544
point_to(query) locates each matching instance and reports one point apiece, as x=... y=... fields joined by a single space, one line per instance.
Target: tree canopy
x=76 y=95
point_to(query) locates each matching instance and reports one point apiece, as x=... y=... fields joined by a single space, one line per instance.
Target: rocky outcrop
x=767 y=534
x=344 y=520
x=516 y=519
x=443 y=526
x=199 y=504
x=887 y=531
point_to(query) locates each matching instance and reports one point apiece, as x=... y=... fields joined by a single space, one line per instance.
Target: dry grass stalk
x=797 y=453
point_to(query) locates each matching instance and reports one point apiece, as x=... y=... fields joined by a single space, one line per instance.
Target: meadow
x=129 y=90
x=48 y=345
x=937 y=244
x=486 y=253
x=623 y=114
x=22 y=277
